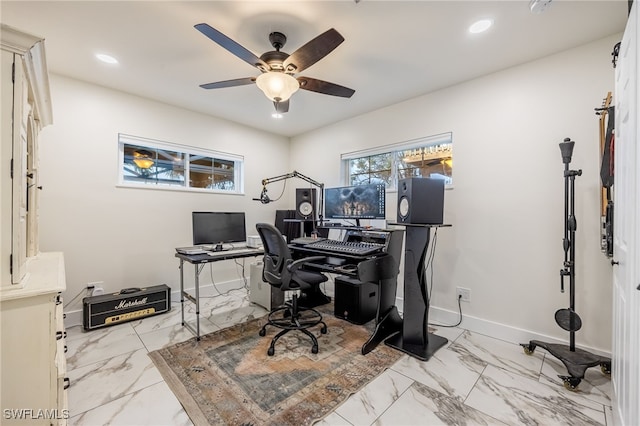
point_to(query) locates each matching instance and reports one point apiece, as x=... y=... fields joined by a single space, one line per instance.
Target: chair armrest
x=301 y=262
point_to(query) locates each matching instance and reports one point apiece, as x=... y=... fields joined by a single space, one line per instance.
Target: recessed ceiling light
x=106 y=58
x=480 y=26
x=539 y=6
x=276 y=115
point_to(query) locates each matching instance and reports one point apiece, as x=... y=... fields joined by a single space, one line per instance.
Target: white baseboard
x=436 y=315
x=494 y=329
x=74 y=318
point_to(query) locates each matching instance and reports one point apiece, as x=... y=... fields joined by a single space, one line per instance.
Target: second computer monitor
x=355 y=202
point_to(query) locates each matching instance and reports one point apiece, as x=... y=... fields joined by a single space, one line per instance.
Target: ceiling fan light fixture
x=277 y=86
x=143 y=159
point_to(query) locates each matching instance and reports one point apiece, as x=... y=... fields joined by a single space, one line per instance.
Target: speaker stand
x=414 y=339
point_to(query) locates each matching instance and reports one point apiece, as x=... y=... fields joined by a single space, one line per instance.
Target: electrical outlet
x=96 y=288
x=463 y=294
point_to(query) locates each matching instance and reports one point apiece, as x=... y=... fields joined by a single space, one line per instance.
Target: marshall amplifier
x=126 y=305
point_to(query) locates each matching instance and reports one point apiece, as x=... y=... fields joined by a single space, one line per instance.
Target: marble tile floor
x=473 y=380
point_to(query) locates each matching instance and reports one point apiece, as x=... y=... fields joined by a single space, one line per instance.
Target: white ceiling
x=393 y=50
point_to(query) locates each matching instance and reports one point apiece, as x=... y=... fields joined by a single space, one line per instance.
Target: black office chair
x=281 y=271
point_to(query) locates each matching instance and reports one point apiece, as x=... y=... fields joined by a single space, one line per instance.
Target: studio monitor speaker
x=421 y=201
x=306 y=203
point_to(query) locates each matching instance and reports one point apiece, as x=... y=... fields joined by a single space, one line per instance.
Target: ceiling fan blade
x=325 y=87
x=313 y=51
x=282 y=107
x=232 y=46
x=229 y=83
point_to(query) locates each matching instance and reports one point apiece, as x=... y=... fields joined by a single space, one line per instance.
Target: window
x=145 y=162
x=425 y=157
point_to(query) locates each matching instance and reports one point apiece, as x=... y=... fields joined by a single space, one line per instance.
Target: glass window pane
x=164 y=165
x=170 y=167
x=224 y=174
x=200 y=171
x=359 y=165
x=430 y=160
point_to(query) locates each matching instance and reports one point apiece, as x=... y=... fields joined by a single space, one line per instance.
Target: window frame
x=186 y=151
x=393 y=149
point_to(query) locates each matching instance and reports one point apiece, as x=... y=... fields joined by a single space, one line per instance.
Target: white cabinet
x=32 y=337
x=33 y=366
x=25 y=109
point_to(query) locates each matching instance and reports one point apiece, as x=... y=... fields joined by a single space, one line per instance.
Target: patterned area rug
x=227 y=378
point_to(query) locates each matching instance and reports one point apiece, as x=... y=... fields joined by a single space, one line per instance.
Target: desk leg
x=388 y=321
x=182 y=290
x=390 y=324
x=197 y=281
x=414 y=338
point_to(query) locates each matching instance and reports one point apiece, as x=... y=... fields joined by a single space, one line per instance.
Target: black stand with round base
x=575 y=360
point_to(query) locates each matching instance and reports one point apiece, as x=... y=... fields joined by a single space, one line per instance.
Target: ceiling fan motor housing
x=274 y=59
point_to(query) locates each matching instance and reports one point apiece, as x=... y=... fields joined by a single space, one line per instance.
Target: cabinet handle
x=67 y=383
x=58 y=335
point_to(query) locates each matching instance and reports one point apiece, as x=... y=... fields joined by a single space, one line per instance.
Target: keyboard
x=358 y=248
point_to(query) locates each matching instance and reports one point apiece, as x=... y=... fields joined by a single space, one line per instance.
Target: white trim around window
x=388 y=163
x=151 y=164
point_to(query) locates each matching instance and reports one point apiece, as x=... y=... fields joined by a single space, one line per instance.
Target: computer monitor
x=355 y=202
x=218 y=227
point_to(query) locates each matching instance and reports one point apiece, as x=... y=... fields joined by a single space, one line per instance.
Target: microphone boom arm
x=296 y=174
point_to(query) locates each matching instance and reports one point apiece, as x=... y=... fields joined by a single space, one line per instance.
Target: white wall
x=507 y=205
x=126 y=237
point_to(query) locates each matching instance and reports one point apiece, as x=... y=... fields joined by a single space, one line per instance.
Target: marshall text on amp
x=126 y=305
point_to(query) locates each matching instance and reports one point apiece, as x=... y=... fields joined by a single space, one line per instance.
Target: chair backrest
x=276 y=255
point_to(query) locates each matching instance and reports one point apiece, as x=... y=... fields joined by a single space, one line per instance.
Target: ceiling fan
x=277 y=80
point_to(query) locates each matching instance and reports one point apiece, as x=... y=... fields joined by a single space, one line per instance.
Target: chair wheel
x=323 y=330
x=262 y=332
x=271 y=351
x=314 y=349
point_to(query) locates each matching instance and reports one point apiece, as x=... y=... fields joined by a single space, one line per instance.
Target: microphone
x=264 y=198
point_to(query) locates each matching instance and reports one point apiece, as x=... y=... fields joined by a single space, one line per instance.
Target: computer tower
x=263 y=293
x=421 y=201
x=355 y=301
